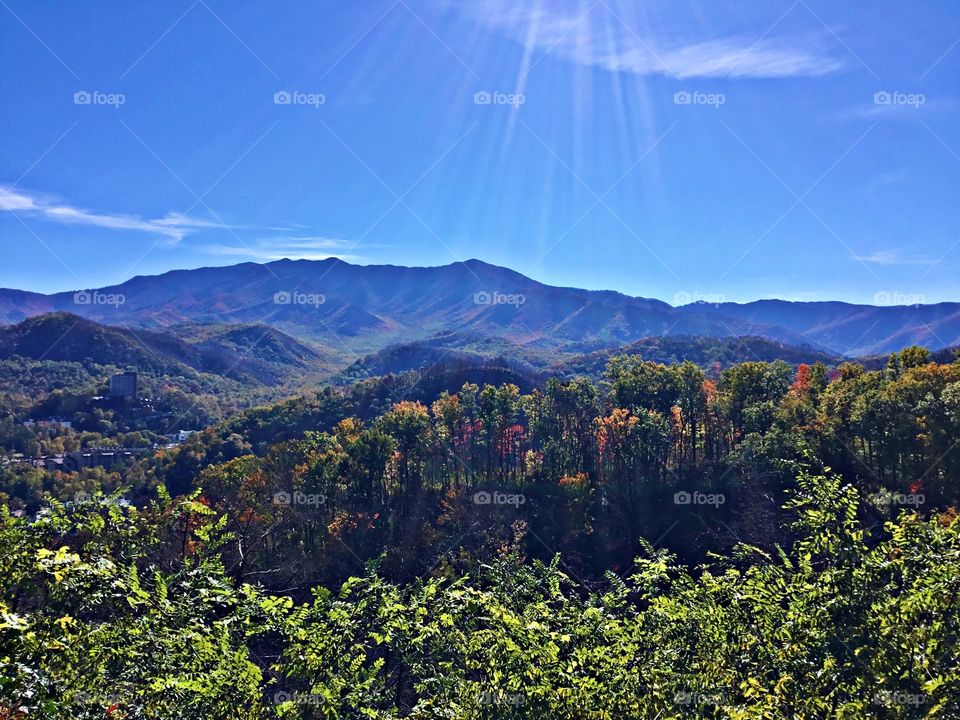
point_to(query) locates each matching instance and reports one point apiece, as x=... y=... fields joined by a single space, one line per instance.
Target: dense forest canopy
x=757 y=541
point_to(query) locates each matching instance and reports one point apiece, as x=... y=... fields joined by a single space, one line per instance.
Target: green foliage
x=99 y=611
x=216 y=600
x=111 y=611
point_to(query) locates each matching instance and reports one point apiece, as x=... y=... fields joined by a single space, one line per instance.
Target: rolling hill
x=257 y=355
x=704 y=351
x=463 y=349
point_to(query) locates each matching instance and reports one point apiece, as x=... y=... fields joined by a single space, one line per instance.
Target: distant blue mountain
x=352 y=310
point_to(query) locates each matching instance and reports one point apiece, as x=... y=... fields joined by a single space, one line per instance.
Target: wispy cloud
x=294 y=248
x=602 y=37
x=893 y=257
x=173 y=227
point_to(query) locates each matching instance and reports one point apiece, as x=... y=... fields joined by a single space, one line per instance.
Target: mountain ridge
x=353 y=310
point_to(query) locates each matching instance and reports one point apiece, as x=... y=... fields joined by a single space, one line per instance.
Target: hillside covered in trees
x=672 y=541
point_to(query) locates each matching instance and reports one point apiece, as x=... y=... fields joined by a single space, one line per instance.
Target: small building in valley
x=123 y=386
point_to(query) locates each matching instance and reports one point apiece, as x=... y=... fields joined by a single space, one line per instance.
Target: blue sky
x=679 y=150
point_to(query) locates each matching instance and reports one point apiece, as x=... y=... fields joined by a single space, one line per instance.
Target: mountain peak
x=476 y=262
x=361 y=308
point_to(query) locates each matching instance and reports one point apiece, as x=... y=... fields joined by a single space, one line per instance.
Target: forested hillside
x=672 y=541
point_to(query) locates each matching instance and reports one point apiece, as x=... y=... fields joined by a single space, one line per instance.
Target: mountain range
x=337 y=313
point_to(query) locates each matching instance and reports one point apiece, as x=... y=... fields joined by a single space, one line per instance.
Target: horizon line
x=697 y=298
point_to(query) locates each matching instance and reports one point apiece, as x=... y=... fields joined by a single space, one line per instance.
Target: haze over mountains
x=347 y=311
